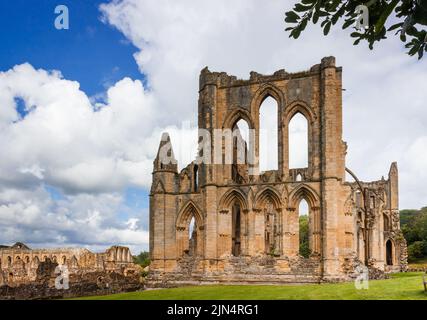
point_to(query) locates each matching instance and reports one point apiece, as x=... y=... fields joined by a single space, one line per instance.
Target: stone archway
x=189 y=244
x=233 y=212
x=304 y=192
x=389 y=252
x=291 y=110
x=268 y=207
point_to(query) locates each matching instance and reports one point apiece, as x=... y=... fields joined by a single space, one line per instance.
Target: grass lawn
x=400 y=286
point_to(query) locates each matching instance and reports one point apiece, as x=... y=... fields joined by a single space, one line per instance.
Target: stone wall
x=244 y=218
x=31 y=274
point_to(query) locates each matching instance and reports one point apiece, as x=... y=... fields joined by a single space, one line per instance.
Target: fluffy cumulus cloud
x=67 y=160
x=82 y=220
x=384 y=103
x=89 y=153
x=63 y=140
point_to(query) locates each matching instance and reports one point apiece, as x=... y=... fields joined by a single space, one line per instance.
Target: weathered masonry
x=27 y=274
x=230 y=222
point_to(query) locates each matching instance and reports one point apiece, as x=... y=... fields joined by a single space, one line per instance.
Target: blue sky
x=91 y=52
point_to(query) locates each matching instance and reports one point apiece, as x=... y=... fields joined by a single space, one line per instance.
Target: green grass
x=400 y=286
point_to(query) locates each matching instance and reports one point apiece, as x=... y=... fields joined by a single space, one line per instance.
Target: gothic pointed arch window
x=389 y=253
x=236 y=229
x=189 y=235
x=268 y=134
x=304 y=233
x=240 y=151
x=35 y=263
x=240 y=141
x=196 y=177
x=298 y=141
x=74 y=262
x=307 y=220
x=192 y=237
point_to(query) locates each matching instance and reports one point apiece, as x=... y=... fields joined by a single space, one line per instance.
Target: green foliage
x=416 y=250
x=304 y=248
x=409 y=19
x=143 y=259
x=414 y=227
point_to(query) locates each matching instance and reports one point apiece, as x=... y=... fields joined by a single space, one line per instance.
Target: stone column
x=211 y=222
x=224 y=232
x=290 y=233
x=259 y=231
x=285 y=150
x=279 y=231
x=251 y=238
x=244 y=232
x=316 y=231
x=333 y=163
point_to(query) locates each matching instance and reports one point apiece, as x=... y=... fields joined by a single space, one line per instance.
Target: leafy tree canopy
x=142 y=259
x=414 y=228
x=408 y=19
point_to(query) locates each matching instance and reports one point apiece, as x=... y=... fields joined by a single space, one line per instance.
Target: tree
x=409 y=20
x=414 y=228
x=142 y=259
x=304 y=248
x=416 y=250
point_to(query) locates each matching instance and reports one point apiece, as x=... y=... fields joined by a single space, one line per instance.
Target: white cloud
x=62 y=142
x=91 y=154
x=77 y=220
x=65 y=143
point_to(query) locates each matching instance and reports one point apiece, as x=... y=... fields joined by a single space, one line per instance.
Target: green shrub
x=416 y=250
x=414 y=228
x=143 y=259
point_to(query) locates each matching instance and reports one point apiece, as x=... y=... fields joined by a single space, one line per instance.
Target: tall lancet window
x=298 y=142
x=268 y=135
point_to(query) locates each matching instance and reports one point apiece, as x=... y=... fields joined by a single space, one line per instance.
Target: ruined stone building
x=231 y=222
x=20 y=265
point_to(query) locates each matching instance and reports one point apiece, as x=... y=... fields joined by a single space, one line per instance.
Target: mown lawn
x=400 y=286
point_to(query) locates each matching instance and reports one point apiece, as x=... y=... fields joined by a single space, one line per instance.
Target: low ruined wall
x=239 y=270
x=263 y=269
x=81 y=283
x=86 y=287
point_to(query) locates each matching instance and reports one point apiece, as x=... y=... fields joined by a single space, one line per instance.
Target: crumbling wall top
x=222 y=79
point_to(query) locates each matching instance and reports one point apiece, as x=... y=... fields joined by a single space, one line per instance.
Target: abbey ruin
x=229 y=222
x=27 y=273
